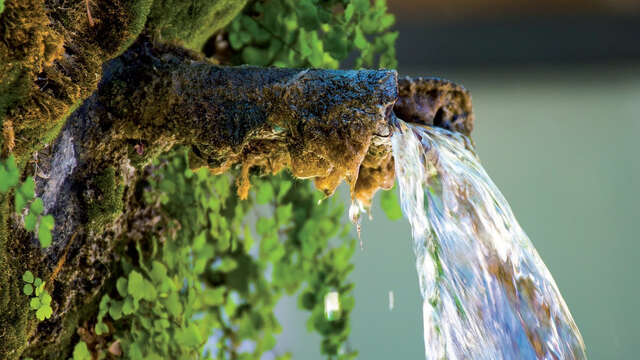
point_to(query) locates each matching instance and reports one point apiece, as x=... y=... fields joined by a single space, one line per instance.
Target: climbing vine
x=201 y=267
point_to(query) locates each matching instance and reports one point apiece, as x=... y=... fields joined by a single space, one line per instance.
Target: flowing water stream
x=487 y=294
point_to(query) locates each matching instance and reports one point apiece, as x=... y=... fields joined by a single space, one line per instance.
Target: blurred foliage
x=314 y=33
x=206 y=268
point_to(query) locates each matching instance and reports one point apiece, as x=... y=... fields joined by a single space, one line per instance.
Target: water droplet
x=332 y=305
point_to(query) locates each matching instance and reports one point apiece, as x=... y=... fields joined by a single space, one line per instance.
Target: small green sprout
x=41 y=301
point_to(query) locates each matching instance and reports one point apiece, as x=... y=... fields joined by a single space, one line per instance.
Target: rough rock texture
x=435 y=102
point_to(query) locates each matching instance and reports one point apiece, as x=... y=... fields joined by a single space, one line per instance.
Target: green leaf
x=27 y=289
x=390 y=205
x=9 y=175
x=28 y=189
x=34 y=304
x=284 y=213
x=44 y=312
x=136 y=285
x=44 y=235
x=39 y=288
x=115 y=310
x=121 y=285
x=359 y=40
x=30 y=221
x=285 y=185
x=307 y=14
x=158 y=272
x=19 y=201
x=214 y=297
x=37 y=282
x=255 y=56
x=47 y=222
x=265 y=193
x=128 y=307
x=265 y=225
x=45 y=298
x=348 y=12
x=28 y=277
x=172 y=302
x=101 y=328
x=228 y=264
x=37 y=206
x=81 y=351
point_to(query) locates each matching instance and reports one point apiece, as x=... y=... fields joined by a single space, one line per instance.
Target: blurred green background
x=557 y=96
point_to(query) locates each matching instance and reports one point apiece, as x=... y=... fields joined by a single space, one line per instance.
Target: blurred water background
x=556 y=92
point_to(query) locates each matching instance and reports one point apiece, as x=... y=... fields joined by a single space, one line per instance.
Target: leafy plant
x=81 y=352
x=314 y=33
x=41 y=300
x=200 y=272
x=24 y=198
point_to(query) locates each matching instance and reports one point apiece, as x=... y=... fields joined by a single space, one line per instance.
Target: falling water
x=487 y=294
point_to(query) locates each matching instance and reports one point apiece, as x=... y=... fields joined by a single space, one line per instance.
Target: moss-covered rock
x=51 y=58
x=192 y=22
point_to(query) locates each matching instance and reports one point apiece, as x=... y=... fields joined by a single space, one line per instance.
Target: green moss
x=107 y=203
x=14 y=310
x=14 y=87
x=138 y=12
x=192 y=22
